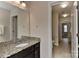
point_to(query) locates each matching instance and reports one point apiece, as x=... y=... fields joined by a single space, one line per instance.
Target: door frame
x=75 y=31
x=53 y=3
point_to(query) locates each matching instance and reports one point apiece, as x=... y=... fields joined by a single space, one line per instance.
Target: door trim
x=50 y=4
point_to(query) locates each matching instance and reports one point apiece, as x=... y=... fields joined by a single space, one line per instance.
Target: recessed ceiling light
x=65 y=15
x=23 y=4
x=64 y=5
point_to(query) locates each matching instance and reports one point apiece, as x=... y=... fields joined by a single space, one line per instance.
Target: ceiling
x=8 y=5
x=60 y=10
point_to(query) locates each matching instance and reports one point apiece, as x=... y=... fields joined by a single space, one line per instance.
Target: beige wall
x=39 y=26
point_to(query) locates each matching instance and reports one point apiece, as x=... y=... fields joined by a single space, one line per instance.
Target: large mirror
x=14 y=22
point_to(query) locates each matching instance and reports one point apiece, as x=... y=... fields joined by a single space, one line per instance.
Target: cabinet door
x=31 y=55
x=37 y=50
x=30 y=52
x=37 y=53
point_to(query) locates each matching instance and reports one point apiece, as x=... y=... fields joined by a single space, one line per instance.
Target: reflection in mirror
x=4 y=25
x=22 y=22
x=14 y=21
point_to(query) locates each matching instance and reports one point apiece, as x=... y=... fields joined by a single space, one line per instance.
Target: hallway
x=63 y=50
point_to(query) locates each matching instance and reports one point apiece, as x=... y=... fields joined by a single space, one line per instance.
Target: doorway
x=61 y=29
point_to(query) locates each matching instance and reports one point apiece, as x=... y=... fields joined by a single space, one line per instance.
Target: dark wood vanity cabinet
x=37 y=50
x=30 y=52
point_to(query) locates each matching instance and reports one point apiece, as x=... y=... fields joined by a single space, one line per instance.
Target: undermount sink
x=22 y=45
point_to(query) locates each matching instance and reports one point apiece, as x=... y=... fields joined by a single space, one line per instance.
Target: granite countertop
x=9 y=48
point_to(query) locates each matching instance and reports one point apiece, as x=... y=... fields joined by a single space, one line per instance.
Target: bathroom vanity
x=24 y=48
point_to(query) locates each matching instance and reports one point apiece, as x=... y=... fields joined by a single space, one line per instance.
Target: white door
x=74 y=31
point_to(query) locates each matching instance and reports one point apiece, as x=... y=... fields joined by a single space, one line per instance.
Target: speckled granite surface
x=9 y=48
